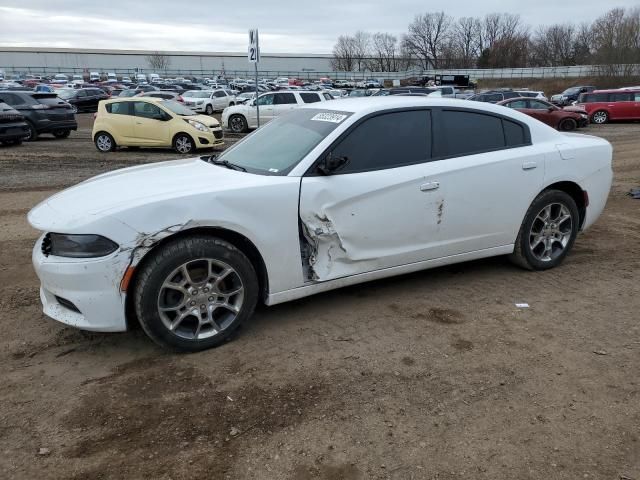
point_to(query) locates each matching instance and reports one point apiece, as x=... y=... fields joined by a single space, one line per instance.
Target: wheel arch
x=241 y=242
x=574 y=191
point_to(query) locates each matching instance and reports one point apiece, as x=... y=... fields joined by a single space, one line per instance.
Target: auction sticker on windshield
x=329 y=117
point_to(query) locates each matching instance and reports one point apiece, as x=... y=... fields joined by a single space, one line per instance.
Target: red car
x=605 y=105
x=566 y=119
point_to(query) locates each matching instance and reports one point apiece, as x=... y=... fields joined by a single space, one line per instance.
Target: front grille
x=217 y=134
x=46 y=245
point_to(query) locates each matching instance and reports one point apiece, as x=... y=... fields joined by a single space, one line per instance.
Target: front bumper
x=91 y=285
x=213 y=138
x=196 y=108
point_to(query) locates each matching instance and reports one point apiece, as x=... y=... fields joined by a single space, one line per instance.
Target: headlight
x=78 y=246
x=584 y=115
x=198 y=126
x=199 y=102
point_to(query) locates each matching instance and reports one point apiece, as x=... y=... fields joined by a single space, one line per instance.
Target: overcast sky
x=285 y=25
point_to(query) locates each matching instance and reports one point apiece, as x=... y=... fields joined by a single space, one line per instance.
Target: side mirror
x=551 y=109
x=331 y=164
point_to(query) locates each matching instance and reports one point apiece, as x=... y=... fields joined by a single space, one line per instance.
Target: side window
x=619 y=97
x=510 y=95
x=517 y=104
x=493 y=97
x=310 y=97
x=514 y=133
x=265 y=100
x=327 y=96
x=466 y=133
x=219 y=94
x=147 y=110
x=537 y=105
x=81 y=94
x=284 y=99
x=387 y=141
x=636 y=97
x=118 y=108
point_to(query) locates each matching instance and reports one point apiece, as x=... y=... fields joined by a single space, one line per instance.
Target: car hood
x=206 y=119
x=575 y=110
x=129 y=188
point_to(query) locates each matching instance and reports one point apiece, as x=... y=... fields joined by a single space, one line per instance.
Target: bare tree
x=158 y=61
x=427 y=37
x=616 y=40
x=463 y=44
x=343 y=54
x=384 y=52
x=554 y=45
x=361 y=43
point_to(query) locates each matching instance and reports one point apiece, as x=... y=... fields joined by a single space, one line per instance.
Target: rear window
x=53 y=100
x=620 y=97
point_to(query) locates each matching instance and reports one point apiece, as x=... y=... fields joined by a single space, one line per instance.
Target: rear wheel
x=568 y=125
x=62 y=133
x=183 y=143
x=33 y=133
x=194 y=292
x=104 y=142
x=548 y=231
x=600 y=117
x=238 y=124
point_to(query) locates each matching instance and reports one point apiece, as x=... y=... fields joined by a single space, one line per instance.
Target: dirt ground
x=434 y=375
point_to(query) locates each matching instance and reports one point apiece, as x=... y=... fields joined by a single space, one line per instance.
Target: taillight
x=180 y=99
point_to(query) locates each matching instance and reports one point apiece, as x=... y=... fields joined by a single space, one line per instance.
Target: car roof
x=366 y=105
x=136 y=99
x=613 y=90
x=509 y=100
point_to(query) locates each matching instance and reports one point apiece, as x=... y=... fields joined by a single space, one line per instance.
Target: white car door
x=219 y=100
x=486 y=178
x=283 y=102
x=265 y=102
x=373 y=213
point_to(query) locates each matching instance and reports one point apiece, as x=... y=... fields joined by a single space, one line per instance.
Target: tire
x=104 y=142
x=600 y=117
x=203 y=308
x=568 y=125
x=33 y=133
x=62 y=133
x=208 y=110
x=238 y=124
x=542 y=244
x=183 y=143
x=231 y=104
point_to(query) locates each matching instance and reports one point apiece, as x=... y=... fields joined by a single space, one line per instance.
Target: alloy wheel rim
x=236 y=124
x=550 y=232
x=183 y=145
x=104 y=143
x=200 y=299
x=600 y=117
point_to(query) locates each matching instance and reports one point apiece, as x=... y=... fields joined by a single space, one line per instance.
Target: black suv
x=83 y=99
x=13 y=128
x=44 y=112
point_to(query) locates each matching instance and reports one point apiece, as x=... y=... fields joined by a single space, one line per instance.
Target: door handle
x=425 y=187
x=529 y=165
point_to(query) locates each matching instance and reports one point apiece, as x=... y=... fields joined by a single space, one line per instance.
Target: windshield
x=280 y=145
x=196 y=94
x=177 y=108
x=571 y=91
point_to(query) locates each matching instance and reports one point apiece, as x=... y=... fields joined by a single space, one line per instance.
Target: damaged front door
x=375 y=211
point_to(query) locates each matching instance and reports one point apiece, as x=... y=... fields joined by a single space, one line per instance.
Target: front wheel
x=600 y=117
x=33 y=133
x=183 y=143
x=568 y=125
x=194 y=293
x=548 y=231
x=208 y=110
x=238 y=124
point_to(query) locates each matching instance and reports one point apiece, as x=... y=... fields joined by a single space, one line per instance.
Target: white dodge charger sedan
x=331 y=194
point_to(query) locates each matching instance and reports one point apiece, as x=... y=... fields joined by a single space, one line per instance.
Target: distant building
x=75 y=60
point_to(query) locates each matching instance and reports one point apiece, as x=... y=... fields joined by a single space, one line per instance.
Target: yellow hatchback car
x=153 y=122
